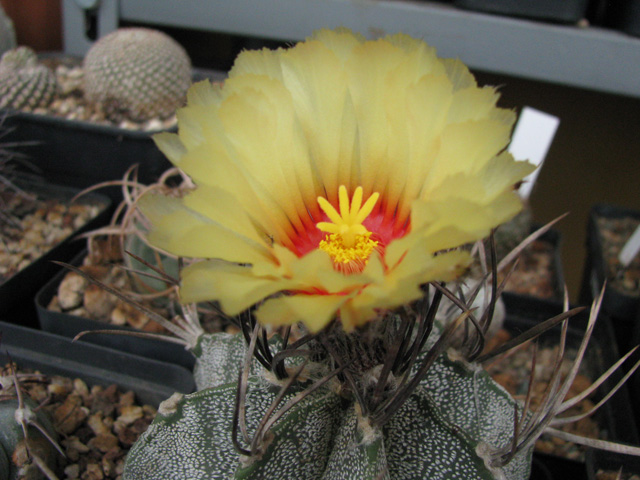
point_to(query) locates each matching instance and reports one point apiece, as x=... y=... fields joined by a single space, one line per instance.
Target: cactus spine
x=137 y=73
x=446 y=428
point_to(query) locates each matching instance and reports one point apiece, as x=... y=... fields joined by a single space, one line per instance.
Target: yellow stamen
x=349 y=240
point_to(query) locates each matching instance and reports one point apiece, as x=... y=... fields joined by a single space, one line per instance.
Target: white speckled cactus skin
x=441 y=431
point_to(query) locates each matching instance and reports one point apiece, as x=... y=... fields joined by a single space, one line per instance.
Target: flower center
x=349 y=242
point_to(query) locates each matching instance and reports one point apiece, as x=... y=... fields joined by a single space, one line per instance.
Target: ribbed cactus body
x=11 y=435
x=137 y=73
x=24 y=83
x=443 y=431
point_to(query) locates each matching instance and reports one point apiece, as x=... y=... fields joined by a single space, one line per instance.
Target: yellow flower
x=332 y=176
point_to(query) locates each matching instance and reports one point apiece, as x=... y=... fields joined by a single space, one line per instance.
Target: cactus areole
x=447 y=428
x=337 y=182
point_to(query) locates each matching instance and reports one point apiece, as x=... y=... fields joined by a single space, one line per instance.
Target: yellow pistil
x=349 y=241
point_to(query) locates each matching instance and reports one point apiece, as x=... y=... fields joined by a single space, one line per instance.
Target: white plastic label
x=531 y=140
x=630 y=249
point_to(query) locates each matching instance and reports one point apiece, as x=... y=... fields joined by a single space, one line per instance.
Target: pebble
x=93 y=449
x=535 y=274
x=513 y=371
x=38 y=224
x=70 y=291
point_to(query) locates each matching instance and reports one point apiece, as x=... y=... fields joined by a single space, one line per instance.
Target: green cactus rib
x=220 y=356
x=11 y=433
x=436 y=434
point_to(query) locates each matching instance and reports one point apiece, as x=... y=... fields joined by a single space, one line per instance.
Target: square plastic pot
x=17 y=292
x=615 y=417
x=622 y=307
x=82 y=154
x=69 y=325
x=151 y=380
x=520 y=304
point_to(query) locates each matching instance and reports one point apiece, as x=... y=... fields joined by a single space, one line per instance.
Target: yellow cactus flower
x=334 y=178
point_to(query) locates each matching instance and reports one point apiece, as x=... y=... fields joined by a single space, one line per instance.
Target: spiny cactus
x=302 y=227
x=137 y=73
x=395 y=400
x=446 y=428
x=24 y=83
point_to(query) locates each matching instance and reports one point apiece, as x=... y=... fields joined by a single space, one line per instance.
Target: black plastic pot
x=622 y=307
x=621 y=15
x=16 y=293
x=81 y=154
x=615 y=417
x=565 y=11
x=68 y=325
x=152 y=381
x=598 y=460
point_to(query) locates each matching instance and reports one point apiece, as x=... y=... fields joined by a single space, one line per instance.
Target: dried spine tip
x=137 y=73
x=24 y=83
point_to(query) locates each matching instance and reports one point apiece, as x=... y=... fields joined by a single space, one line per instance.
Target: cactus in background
x=137 y=73
x=24 y=83
x=7 y=32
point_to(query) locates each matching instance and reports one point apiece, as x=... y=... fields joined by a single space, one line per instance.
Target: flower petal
x=185 y=232
x=316 y=311
x=235 y=286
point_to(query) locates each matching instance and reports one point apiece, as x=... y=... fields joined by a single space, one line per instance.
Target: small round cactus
x=137 y=73
x=24 y=83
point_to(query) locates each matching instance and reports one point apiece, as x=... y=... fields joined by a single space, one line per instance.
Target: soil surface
x=78 y=296
x=95 y=425
x=32 y=225
x=535 y=274
x=512 y=371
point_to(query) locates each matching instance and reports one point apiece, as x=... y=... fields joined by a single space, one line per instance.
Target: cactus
x=344 y=367
x=445 y=429
x=24 y=83
x=137 y=73
x=434 y=414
